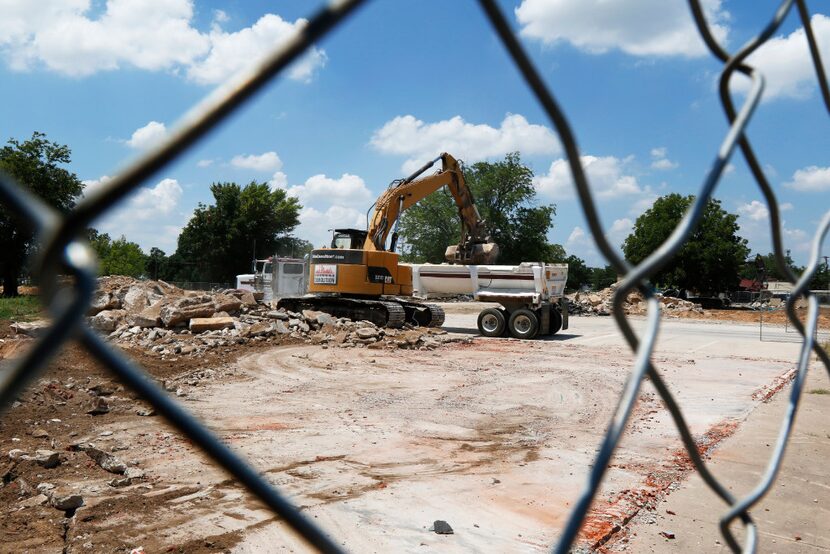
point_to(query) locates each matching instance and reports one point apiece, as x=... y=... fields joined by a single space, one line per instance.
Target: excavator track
x=423 y=315
x=383 y=313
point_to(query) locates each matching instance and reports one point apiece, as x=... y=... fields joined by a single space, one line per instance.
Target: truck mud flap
x=563 y=304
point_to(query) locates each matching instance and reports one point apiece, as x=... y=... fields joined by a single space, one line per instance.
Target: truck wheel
x=523 y=324
x=491 y=322
x=555 y=321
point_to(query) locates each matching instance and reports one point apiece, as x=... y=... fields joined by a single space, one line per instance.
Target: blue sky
x=403 y=81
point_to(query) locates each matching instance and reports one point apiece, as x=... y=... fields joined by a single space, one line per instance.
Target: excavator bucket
x=473 y=254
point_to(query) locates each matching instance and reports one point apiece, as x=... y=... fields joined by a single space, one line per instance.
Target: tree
x=771 y=269
x=710 y=261
x=124 y=258
x=117 y=257
x=602 y=277
x=579 y=274
x=34 y=164
x=505 y=197
x=217 y=242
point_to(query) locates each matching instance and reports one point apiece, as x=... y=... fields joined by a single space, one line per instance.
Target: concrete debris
x=201 y=324
x=67 y=502
x=38 y=500
x=40 y=434
x=602 y=303
x=107 y=462
x=441 y=527
x=47 y=458
x=99 y=406
x=166 y=321
x=31 y=328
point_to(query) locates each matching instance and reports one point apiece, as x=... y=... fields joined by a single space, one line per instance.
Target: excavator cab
x=348 y=239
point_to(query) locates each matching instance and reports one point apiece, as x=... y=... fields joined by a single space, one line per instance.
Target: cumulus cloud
x=580 y=243
x=231 y=52
x=348 y=190
x=636 y=27
x=315 y=224
x=278 y=181
x=92 y=184
x=421 y=141
x=606 y=175
x=755 y=210
x=753 y=219
x=786 y=64
x=660 y=160
x=149 y=217
x=810 y=179
x=269 y=161
x=154 y=35
x=147 y=136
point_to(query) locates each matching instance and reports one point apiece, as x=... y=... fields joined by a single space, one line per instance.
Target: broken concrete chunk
x=260 y=329
x=366 y=332
x=99 y=406
x=38 y=500
x=40 y=434
x=134 y=473
x=16 y=454
x=47 y=458
x=227 y=303
x=31 y=328
x=202 y=324
x=102 y=389
x=441 y=527
x=120 y=482
x=106 y=461
x=67 y=502
x=107 y=320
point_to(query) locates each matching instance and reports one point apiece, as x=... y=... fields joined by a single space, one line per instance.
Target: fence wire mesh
x=62 y=251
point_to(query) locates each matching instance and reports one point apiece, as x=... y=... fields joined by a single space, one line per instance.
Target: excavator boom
x=475 y=246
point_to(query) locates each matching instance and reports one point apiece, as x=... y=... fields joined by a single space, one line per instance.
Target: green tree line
x=245 y=220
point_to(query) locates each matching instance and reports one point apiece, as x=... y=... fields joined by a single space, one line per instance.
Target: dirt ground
x=493 y=436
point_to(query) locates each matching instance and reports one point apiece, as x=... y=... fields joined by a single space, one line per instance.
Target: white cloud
x=269 y=161
x=636 y=27
x=348 y=190
x=421 y=142
x=147 y=136
x=232 y=52
x=659 y=159
x=581 y=244
x=754 y=223
x=605 y=176
x=154 y=35
x=93 y=184
x=810 y=179
x=643 y=204
x=278 y=181
x=755 y=210
x=786 y=64
x=149 y=217
x=315 y=225
x=205 y=163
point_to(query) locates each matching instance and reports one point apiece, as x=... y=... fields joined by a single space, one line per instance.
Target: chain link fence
x=63 y=251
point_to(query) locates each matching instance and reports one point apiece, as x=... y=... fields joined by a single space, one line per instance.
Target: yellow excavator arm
x=475 y=246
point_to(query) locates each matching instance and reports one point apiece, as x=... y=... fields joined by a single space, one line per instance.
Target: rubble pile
x=167 y=321
x=601 y=303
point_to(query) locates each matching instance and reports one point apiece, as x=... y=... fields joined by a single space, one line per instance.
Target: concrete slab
x=793 y=517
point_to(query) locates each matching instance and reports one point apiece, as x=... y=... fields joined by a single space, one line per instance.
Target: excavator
x=359 y=276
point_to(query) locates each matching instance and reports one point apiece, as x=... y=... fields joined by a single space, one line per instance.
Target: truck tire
x=491 y=322
x=523 y=324
x=555 y=321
